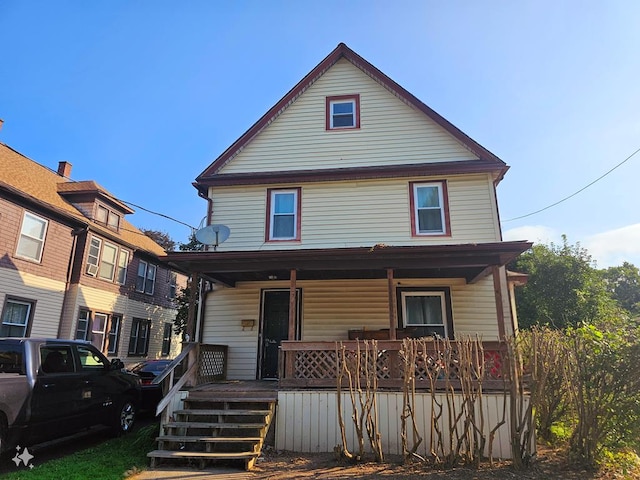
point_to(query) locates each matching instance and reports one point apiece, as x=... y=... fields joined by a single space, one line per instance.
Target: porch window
x=426 y=312
x=429 y=209
x=283 y=214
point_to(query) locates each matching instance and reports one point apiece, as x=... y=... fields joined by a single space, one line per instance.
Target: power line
x=158 y=213
x=575 y=193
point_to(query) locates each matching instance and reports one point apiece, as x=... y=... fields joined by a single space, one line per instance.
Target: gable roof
x=488 y=161
x=38 y=184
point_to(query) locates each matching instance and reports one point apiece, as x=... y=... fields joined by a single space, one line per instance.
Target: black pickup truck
x=52 y=388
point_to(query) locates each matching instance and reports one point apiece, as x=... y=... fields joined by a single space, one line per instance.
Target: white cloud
x=614 y=247
x=532 y=233
x=608 y=249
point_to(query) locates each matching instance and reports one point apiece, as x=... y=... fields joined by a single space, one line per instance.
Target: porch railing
x=314 y=364
x=197 y=364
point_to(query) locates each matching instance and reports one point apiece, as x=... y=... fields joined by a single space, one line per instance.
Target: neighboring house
x=72 y=266
x=355 y=211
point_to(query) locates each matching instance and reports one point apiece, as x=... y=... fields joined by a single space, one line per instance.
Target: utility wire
x=159 y=214
x=575 y=193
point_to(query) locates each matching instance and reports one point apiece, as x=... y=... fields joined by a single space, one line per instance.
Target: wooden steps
x=225 y=426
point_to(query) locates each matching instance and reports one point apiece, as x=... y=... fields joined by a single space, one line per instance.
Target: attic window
x=343 y=112
x=107 y=217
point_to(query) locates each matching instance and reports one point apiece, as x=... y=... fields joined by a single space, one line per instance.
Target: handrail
x=174 y=363
x=179 y=384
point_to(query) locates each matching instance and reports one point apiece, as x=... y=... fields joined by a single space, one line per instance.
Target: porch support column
x=392 y=305
x=191 y=313
x=292 y=305
x=499 y=306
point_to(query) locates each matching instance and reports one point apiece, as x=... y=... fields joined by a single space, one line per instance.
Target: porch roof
x=468 y=261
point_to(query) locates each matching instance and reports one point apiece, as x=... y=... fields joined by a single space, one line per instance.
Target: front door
x=274 y=328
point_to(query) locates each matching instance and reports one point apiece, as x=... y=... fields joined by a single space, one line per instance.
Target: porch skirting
x=307 y=421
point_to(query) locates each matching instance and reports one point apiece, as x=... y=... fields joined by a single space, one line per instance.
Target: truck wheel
x=125 y=417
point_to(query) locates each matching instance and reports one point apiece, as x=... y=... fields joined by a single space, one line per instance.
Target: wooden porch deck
x=242 y=389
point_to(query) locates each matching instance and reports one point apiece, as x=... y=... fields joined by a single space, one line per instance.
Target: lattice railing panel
x=212 y=363
x=433 y=363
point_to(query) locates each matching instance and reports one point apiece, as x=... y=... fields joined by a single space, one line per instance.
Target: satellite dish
x=213 y=235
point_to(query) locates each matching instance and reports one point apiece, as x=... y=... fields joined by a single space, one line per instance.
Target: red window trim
x=445 y=200
x=355 y=97
x=267 y=231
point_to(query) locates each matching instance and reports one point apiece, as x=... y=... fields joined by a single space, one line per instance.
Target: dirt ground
x=550 y=464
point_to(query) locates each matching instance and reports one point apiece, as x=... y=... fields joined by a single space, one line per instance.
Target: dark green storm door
x=274 y=327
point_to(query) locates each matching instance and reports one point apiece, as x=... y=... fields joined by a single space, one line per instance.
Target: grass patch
x=109 y=461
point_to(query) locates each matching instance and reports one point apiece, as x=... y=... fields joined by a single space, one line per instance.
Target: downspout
x=202 y=295
x=74 y=233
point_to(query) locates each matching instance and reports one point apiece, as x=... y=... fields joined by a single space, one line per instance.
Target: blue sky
x=142 y=95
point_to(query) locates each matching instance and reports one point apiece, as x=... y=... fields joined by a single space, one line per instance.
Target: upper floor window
x=429 y=209
x=31 y=241
x=108 y=262
x=146 y=278
x=123 y=261
x=16 y=317
x=343 y=112
x=107 y=217
x=283 y=214
x=173 y=284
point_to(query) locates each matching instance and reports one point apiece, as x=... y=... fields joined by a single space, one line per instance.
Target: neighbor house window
x=139 y=339
x=343 y=112
x=107 y=217
x=283 y=214
x=16 y=318
x=429 y=209
x=426 y=311
x=31 y=241
x=98 y=330
x=114 y=334
x=173 y=279
x=83 y=325
x=166 y=339
x=123 y=261
x=108 y=262
x=146 y=278
x=93 y=256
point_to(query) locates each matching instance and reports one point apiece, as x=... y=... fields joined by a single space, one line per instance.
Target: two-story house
x=72 y=266
x=355 y=211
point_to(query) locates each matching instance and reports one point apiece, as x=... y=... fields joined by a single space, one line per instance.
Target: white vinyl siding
x=331 y=308
x=48 y=293
x=391 y=131
x=362 y=213
x=307 y=421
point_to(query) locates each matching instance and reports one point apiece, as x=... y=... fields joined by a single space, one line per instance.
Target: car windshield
x=11 y=359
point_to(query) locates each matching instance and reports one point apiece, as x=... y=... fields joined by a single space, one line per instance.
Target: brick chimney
x=64 y=169
x=1 y=122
